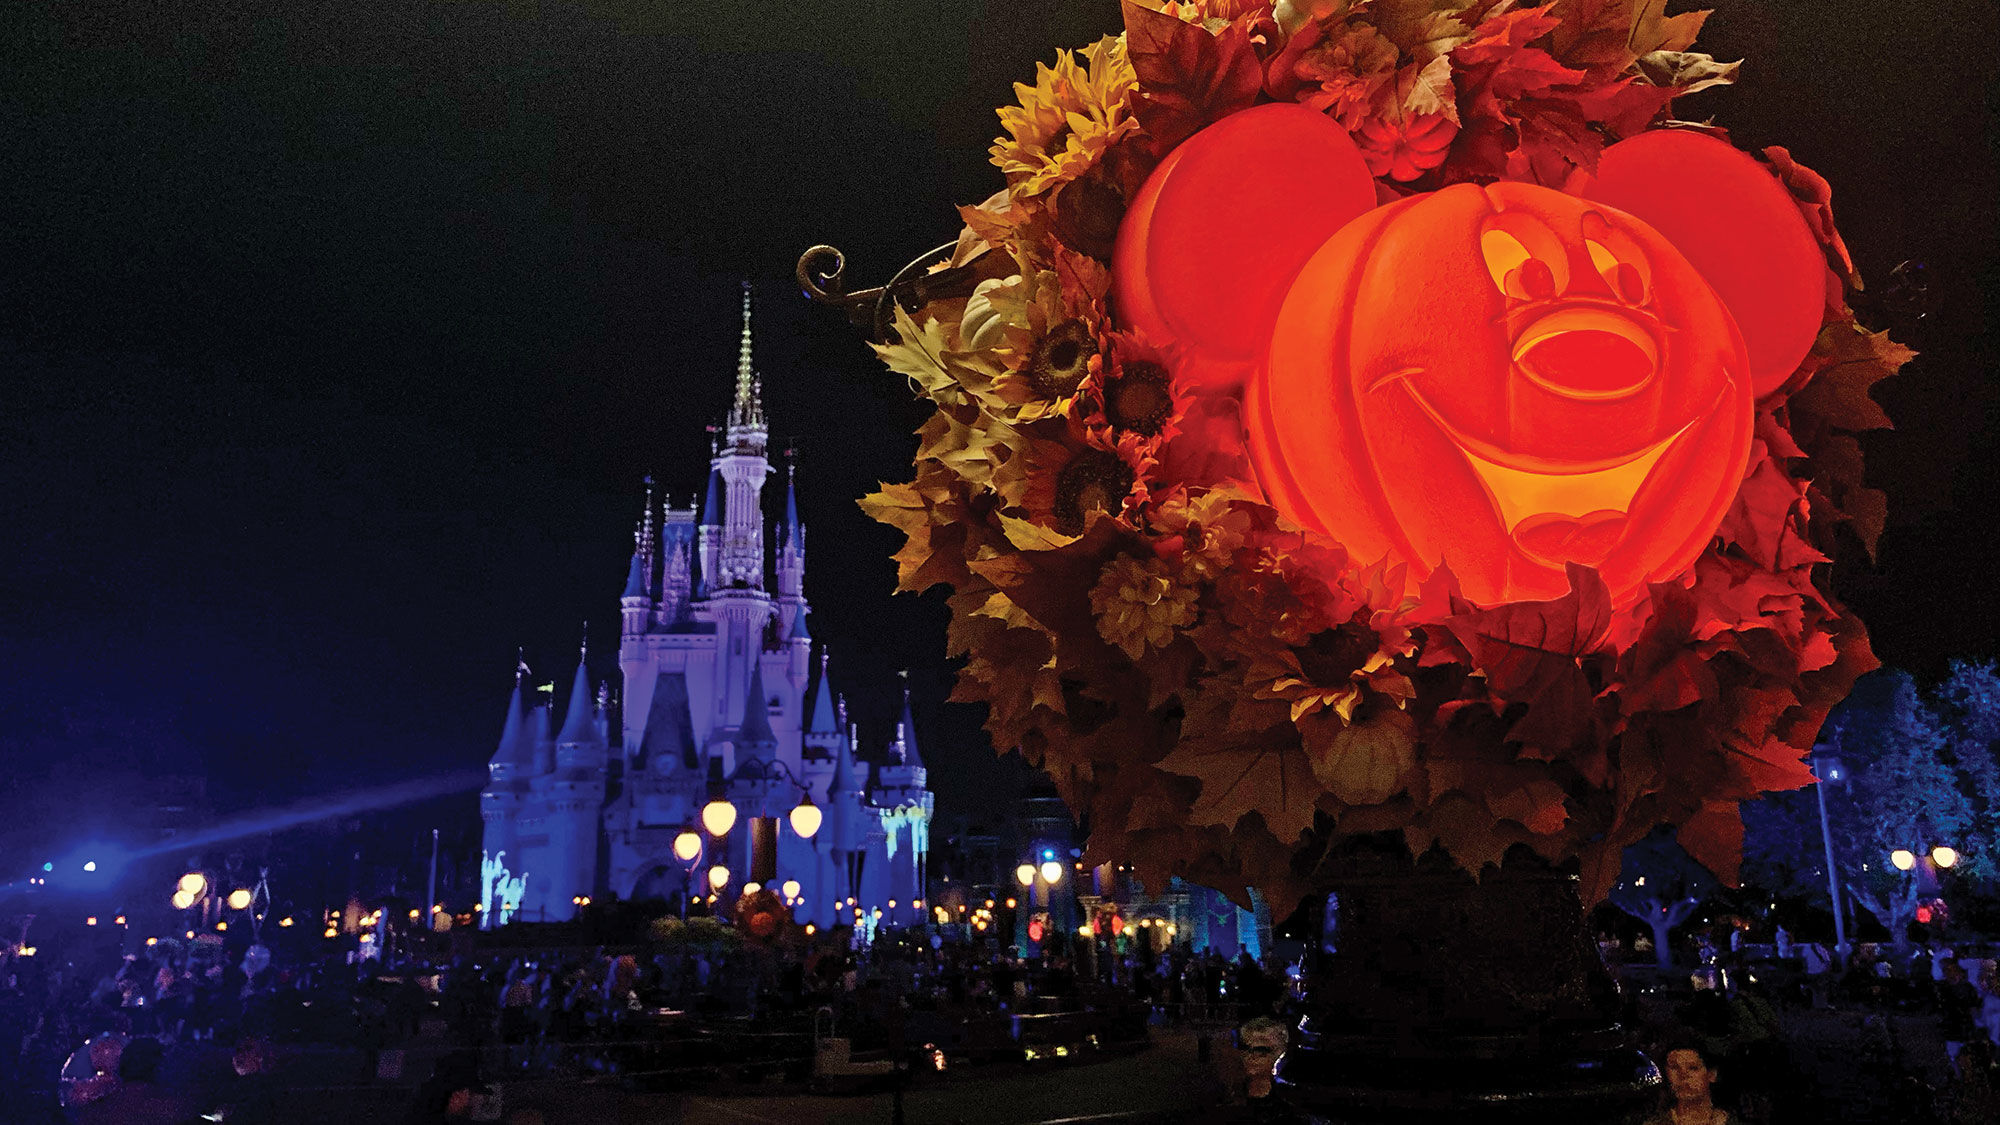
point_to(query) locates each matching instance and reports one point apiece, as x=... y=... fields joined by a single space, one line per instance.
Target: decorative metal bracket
x=822 y=274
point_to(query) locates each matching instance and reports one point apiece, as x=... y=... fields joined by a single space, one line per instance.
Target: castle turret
x=708 y=539
x=636 y=603
x=905 y=805
x=575 y=801
x=743 y=467
x=677 y=534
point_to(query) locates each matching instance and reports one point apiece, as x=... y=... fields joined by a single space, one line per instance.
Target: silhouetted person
x=139 y=1098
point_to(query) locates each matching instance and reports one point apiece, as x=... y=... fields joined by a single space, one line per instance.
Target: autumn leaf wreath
x=1222 y=695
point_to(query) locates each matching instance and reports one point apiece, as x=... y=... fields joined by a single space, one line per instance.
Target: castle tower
x=574 y=796
x=904 y=802
x=636 y=603
x=500 y=804
x=796 y=638
x=743 y=467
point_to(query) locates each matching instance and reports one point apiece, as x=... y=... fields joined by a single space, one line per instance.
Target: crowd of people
x=178 y=1033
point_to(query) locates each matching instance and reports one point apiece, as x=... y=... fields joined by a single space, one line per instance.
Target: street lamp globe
x=791 y=888
x=718 y=877
x=687 y=846
x=183 y=900
x=1052 y=872
x=1903 y=858
x=239 y=898
x=193 y=883
x=1943 y=856
x=1026 y=874
x=806 y=818
x=718 y=816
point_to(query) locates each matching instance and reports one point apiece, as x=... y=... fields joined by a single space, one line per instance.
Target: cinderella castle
x=721 y=700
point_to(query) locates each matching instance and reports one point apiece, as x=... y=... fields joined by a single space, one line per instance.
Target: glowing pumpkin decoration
x=1504 y=378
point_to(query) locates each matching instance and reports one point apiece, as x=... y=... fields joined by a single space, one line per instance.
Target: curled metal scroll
x=822 y=275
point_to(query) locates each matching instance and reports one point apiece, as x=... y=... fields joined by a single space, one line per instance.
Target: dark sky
x=336 y=337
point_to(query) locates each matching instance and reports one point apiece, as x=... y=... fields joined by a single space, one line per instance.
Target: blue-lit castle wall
x=720 y=698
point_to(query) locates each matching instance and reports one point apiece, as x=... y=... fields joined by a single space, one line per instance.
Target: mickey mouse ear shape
x=1212 y=241
x=1740 y=228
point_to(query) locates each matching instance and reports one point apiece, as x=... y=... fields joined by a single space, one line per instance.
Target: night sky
x=337 y=337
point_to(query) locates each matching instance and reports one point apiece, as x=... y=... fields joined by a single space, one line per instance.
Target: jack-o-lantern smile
x=1502 y=378
x=1558 y=512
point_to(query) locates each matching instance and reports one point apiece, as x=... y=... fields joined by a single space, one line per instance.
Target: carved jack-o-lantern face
x=1507 y=379
x=1503 y=378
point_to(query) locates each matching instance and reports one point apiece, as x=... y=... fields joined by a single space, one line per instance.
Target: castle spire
x=755 y=729
x=791 y=538
x=823 y=721
x=579 y=722
x=515 y=750
x=906 y=730
x=748 y=410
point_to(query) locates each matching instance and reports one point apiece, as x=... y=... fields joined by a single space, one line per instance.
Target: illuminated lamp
x=718 y=877
x=152 y=941
x=1010 y=904
x=718 y=816
x=193 y=883
x=752 y=887
x=238 y=899
x=221 y=926
x=1903 y=858
x=1924 y=914
x=1943 y=856
x=1576 y=388
x=687 y=846
x=1083 y=930
x=811 y=929
x=1034 y=929
x=1052 y=872
x=90 y=865
x=1025 y=874
x=183 y=900
x=90 y=921
x=892 y=904
x=118 y=921
x=806 y=818
x=791 y=888
x=285 y=923
x=917 y=903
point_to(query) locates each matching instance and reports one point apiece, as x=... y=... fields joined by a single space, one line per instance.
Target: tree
x=1660 y=885
x=1969 y=704
x=1903 y=790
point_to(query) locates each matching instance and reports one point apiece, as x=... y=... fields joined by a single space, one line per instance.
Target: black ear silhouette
x=1212 y=241
x=1739 y=227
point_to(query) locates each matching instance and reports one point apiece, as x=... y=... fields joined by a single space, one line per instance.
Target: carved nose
x=1589 y=354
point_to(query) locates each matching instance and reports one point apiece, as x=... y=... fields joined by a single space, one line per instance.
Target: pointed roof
x=635 y=577
x=516 y=748
x=799 y=630
x=842 y=780
x=755 y=729
x=579 y=722
x=789 y=534
x=822 y=721
x=748 y=409
x=668 y=740
x=711 y=505
x=906 y=732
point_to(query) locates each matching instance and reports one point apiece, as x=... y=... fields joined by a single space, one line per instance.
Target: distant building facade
x=721 y=698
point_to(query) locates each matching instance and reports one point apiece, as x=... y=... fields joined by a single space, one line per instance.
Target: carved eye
x=1619 y=261
x=1524 y=258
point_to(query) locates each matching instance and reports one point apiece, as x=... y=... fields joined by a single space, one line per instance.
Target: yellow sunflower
x=1067 y=118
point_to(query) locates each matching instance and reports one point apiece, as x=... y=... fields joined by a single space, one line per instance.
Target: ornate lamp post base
x=1438 y=998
